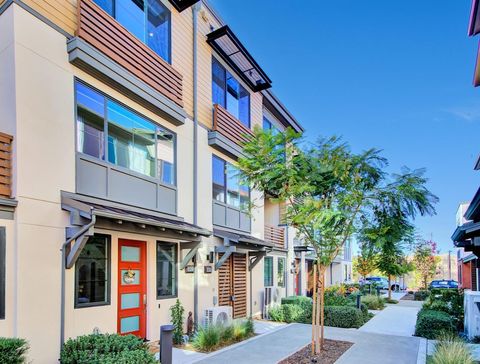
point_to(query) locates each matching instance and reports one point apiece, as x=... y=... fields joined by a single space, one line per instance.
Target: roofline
x=473 y=18
x=477 y=164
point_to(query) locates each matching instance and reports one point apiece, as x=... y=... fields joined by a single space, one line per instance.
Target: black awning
x=181 y=5
x=464 y=235
x=241 y=239
x=237 y=57
x=474 y=24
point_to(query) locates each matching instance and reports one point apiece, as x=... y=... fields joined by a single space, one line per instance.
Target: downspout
x=62 y=283
x=195 y=10
x=287 y=263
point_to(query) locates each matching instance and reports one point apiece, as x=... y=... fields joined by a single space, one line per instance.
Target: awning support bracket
x=227 y=250
x=82 y=229
x=190 y=254
x=255 y=258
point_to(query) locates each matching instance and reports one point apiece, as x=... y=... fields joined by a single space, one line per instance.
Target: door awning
x=464 y=234
x=181 y=5
x=232 y=51
x=88 y=213
x=245 y=241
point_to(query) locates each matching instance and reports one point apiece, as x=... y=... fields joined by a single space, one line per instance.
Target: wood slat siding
x=103 y=32
x=275 y=235
x=239 y=285
x=227 y=125
x=5 y=165
x=62 y=13
x=224 y=283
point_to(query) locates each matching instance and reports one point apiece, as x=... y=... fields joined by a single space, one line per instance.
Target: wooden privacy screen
x=5 y=165
x=275 y=235
x=103 y=32
x=232 y=282
x=227 y=125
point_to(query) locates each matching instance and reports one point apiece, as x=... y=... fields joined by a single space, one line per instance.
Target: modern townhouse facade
x=121 y=123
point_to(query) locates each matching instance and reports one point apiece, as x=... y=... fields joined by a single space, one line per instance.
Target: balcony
x=5 y=165
x=108 y=51
x=275 y=236
x=228 y=134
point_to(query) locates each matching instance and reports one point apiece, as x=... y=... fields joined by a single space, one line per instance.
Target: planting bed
x=332 y=350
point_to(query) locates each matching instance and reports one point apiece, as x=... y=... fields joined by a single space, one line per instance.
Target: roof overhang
x=273 y=104
x=469 y=258
x=473 y=210
x=474 y=24
x=467 y=235
x=181 y=5
x=247 y=242
x=232 y=51
x=477 y=164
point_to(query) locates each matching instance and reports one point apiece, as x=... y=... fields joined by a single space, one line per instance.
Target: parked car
x=443 y=283
x=380 y=282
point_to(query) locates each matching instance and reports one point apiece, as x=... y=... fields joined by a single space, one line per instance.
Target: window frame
x=225 y=185
x=169 y=48
x=157 y=178
x=176 y=250
x=3 y=272
x=107 y=302
x=284 y=271
x=225 y=91
x=271 y=272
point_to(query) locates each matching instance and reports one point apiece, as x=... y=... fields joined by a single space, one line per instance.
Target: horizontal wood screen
x=275 y=235
x=103 y=32
x=5 y=165
x=229 y=126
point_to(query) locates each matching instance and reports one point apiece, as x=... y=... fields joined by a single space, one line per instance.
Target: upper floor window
x=230 y=94
x=268 y=125
x=148 y=20
x=110 y=131
x=226 y=184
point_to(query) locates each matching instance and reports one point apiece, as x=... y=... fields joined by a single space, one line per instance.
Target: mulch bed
x=332 y=350
x=407 y=297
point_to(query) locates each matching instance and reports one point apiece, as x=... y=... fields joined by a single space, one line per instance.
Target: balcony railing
x=231 y=128
x=5 y=165
x=275 y=235
x=107 y=35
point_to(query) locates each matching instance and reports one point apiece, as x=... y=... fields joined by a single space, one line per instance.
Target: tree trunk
x=322 y=309
x=389 y=287
x=318 y=314
x=314 y=305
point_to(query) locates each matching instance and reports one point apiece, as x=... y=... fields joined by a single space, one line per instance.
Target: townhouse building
x=121 y=122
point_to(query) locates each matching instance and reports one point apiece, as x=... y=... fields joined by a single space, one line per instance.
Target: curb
x=422 y=351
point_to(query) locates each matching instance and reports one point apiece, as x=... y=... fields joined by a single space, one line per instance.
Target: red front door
x=132 y=293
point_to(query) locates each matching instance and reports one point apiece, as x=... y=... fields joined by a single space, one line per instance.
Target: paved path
x=368 y=348
x=398 y=319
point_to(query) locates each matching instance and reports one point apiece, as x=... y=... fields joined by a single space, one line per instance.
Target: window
x=110 y=131
x=268 y=125
x=268 y=271
x=166 y=270
x=281 y=272
x=148 y=20
x=3 y=246
x=92 y=273
x=230 y=94
x=226 y=186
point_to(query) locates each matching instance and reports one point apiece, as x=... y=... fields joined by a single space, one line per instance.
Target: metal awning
x=464 y=235
x=181 y=5
x=474 y=24
x=232 y=51
x=247 y=241
x=469 y=258
x=86 y=214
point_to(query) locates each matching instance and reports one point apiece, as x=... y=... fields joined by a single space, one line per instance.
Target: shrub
x=391 y=301
x=105 y=349
x=451 y=350
x=177 y=312
x=291 y=313
x=276 y=314
x=13 y=350
x=207 y=338
x=335 y=299
x=421 y=295
x=449 y=301
x=296 y=300
x=431 y=324
x=373 y=302
x=343 y=316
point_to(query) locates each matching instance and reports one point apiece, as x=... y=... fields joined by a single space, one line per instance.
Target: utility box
x=471 y=304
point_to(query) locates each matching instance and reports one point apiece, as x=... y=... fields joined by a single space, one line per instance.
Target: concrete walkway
x=368 y=348
x=398 y=319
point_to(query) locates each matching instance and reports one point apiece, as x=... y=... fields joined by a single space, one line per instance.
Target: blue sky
x=395 y=75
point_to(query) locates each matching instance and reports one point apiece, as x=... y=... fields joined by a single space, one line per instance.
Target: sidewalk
x=369 y=348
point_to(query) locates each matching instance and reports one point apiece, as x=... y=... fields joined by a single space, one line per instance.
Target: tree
x=327 y=189
x=365 y=262
x=425 y=260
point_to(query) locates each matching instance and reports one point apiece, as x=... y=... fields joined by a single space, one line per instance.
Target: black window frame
x=284 y=271
x=3 y=258
x=272 y=271
x=107 y=302
x=225 y=184
x=225 y=91
x=166 y=244
x=113 y=14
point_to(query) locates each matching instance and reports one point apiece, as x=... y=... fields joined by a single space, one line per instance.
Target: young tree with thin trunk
x=365 y=262
x=426 y=260
x=326 y=188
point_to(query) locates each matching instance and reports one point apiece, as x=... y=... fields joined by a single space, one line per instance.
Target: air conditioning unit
x=472 y=313
x=221 y=315
x=271 y=296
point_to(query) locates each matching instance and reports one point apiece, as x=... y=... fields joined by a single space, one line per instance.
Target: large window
x=281 y=272
x=229 y=93
x=268 y=271
x=148 y=20
x=92 y=273
x=110 y=131
x=226 y=184
x=268 y=125
x=166 y=270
